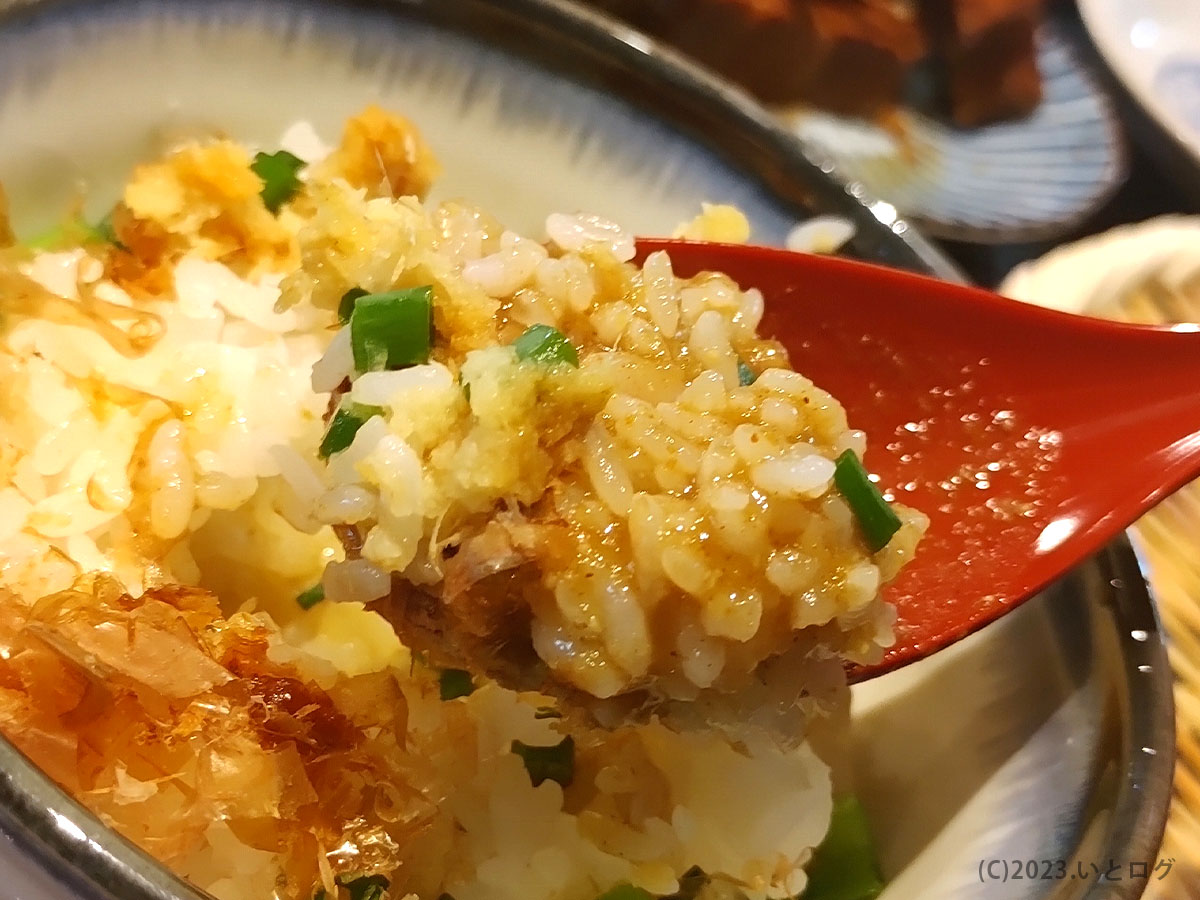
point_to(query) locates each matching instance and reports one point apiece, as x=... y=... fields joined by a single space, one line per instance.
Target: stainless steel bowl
x=1048 y=735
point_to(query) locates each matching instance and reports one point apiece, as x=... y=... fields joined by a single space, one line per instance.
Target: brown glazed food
x=990 y=59
x=854 y=57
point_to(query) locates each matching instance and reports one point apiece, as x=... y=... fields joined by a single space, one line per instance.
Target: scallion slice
x=844 y=866
x=877 y=520
x=346 y=305
x=556 y=763
x=746 y=374
x=310 y=598
x=77 y=231
x=344 y=426
x=543 y=344
x=455 y=683
x=278 y=172
x=392 y=330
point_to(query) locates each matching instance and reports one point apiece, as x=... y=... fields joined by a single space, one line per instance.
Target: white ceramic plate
x=1153 y=46
x=1000 y=747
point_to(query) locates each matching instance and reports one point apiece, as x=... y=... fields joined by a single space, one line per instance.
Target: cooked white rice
x=644 y=522
x=159 y=426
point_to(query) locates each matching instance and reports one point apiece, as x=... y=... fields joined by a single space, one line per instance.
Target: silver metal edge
x=1143 y=796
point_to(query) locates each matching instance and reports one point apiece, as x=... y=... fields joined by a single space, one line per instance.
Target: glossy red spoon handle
x=1030 y=437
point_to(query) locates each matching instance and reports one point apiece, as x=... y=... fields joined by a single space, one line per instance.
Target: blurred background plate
x=1024 y=180
x=1046 y=736
x=1153 y=46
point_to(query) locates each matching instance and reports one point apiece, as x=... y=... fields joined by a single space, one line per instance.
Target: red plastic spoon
x=1030 y=437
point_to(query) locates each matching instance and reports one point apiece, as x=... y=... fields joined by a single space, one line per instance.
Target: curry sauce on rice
x=361 y=546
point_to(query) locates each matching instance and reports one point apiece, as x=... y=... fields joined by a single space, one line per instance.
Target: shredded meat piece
x=481 y=615
x=504 y=544
x=493 y=640
x=480 y=619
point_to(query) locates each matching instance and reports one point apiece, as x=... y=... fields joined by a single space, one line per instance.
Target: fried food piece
x=851 y=56
x=854 y=56
x=990 y=57
x=763 y=45
x=865 y=51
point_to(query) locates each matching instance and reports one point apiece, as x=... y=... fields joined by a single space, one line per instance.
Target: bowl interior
x=961 y=758
x=513 y=137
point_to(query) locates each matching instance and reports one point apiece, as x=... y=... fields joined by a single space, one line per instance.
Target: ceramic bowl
x=1047 y=736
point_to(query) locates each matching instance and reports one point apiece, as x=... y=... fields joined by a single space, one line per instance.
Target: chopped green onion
x=278 y=174
x=344 y=426
x=310 y=598
x=392 y=330
x=547 y=712
x=555 y=763
x=626 y=891
x=77 y=231
x=543 y=344
x=346 y=305
x=746 y=374
x=50 y=239
x=844 y=866
x=455 y=683
x=105 y=229
x=365 y=887
x=877 y=520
